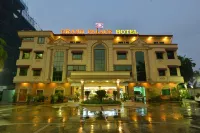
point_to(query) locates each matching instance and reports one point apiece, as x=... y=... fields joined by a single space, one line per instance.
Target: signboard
x=99 y=25
x=91 y=31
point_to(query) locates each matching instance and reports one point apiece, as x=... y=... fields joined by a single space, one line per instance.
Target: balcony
x=27 y=45
x=177 y=79
x=164 y=63
x=22 y=79
x=24 y=62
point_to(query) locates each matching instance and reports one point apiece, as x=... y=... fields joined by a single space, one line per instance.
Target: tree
x=186 y=68
x=3 y=54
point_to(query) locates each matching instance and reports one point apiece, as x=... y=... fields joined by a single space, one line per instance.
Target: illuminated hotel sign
x=90 y=31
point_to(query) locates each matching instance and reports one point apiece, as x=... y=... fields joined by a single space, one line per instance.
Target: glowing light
x=134 y=38
x=107 y=81
x=59 y=37
x=117 y=38
x=149 y=38
x=82 y=81
x=92 y=81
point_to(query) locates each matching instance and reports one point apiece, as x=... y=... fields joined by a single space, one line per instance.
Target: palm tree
x=3 y=54
x=186 y=68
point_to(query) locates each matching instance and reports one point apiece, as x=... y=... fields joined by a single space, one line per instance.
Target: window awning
x=36 y=68
x=160 y=51
x=162 y=68
x=173 y=66
x=38 y=51
x=171 y=49
x=26 y=49
x=77 y=51
x=23 y=66
x=122 y=52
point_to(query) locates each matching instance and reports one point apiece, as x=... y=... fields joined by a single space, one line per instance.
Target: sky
x=178 y=17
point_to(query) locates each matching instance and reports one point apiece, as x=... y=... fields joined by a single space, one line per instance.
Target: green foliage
x=14 y=97
x=101 y=94
x=29 y=98
x=184 y=94
x=97 y=101
x=125 y=97
x=87 y=93
x=76 y=98
x=154 y=97
x=3 y=53
x=39 y=98
x=115 y=95
x=175 y=95
x=186 y=68
x=1 y=93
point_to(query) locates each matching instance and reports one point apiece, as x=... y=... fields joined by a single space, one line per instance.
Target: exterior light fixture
x=82 y=81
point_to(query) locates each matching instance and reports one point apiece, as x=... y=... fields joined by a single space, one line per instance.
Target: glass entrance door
x=99 y=58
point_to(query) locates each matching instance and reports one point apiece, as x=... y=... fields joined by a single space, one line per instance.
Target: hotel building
x=69 y=63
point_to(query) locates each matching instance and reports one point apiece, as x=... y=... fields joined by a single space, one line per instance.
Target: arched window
x=99 y=58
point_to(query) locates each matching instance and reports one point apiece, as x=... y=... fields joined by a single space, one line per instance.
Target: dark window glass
x=41 y=40
x=36 y=72
x=165 y=92
x=173 y=71
x=121 y=56
x=155 y=42
x=126 y=42
x=99 y=58
x=26 y=55
x=122 y=68
x=39 y=92
x=170 y=54
x=162 y=42
x=161 y=72
x=159 y=55
x=38 y=55
x=28 y=39
x=76 y=68
x=77 y=56
x=120 y=42
x=23 y=72
x=140 y=66
x=58 y=66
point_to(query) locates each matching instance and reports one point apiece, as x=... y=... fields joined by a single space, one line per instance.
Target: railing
x=26 y=15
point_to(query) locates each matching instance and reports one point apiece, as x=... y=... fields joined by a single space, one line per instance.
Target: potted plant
x=87 y=93
x=101 y=94
x=115 y=95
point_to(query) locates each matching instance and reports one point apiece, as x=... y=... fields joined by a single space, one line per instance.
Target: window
x=41 y=40
x=173 y=71
x=159 y=55
x=76 y=56
x=99 y=58
x=122 y=68
x=58 y=66
x=120 y=42
x=38 y=55
x=140 y=66
x=23 y=72
x=162 y=42
x=31 y=39
x=170 y=54
x=40 y=92
x=165 y=92
x=155 y=42
x=36 y=72
x=26 y=55
x=76 y=68
x=75 y=42
x=161 y=72
x=121 y=56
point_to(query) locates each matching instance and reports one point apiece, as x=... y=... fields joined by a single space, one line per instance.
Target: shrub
x=97 y=101
x=29 y=98
x=14 y=97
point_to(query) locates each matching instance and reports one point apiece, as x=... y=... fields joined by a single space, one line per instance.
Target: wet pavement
x=70 y=118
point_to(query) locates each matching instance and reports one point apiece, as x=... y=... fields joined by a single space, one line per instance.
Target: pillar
x=118 y=90
x=82 y=90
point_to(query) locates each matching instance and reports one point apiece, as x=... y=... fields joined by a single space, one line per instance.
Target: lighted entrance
x=109 y=90
x=139 y=93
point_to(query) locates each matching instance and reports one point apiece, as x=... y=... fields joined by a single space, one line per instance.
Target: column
x=82 y=90
x=118 y=89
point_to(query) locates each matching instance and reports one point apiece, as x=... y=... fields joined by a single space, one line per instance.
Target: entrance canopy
x=122 y=75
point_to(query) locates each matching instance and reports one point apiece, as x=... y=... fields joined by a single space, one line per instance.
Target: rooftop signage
x=97 y=31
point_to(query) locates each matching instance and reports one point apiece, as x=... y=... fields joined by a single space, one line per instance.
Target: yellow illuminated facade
x=71 y=63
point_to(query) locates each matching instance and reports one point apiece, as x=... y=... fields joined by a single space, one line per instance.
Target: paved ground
x=69 y=118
